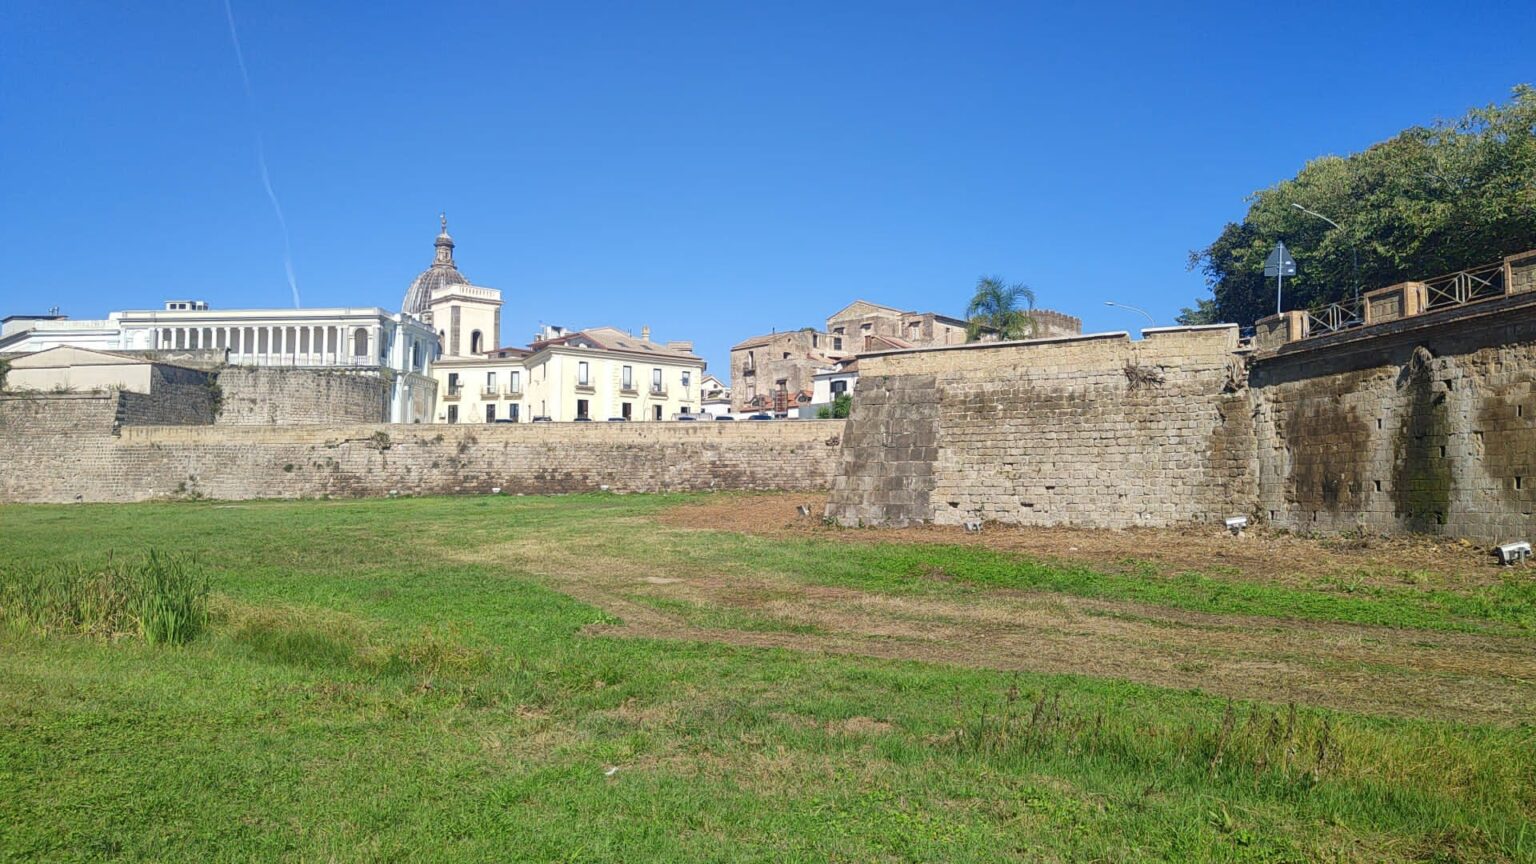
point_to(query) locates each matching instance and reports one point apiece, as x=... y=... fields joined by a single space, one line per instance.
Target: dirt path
x=1359 y=668
x=1260 y=555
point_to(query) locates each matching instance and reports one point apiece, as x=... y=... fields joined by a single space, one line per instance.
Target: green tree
x=995 y=308
x=1431 y=200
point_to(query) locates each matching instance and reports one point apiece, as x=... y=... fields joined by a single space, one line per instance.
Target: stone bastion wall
x=1423 y=424
x=1426 y=424
x=70 y=447
x=1089 y=430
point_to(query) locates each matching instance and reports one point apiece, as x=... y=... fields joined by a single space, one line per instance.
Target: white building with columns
x=365 y=339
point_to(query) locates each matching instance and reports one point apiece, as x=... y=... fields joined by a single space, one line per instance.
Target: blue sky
x=712 y=169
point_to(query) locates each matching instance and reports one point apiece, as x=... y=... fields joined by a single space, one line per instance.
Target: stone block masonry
x=1423 y=423
x=1426 y=424
x=264 y=396
x=68 y=448
x=1094 y=430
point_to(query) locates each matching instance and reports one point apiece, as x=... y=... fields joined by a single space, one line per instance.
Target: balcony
x=659 y=391
x=453 y=393
x=628 y=390
x=487 y=393
x=516 y=393
x=585 y=388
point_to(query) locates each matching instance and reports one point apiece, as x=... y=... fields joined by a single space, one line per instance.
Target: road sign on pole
x=1279 y=264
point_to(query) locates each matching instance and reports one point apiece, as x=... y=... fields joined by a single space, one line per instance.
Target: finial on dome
x=444 y=257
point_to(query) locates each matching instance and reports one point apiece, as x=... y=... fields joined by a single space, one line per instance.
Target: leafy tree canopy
x=996 y=308
x=1431 y=200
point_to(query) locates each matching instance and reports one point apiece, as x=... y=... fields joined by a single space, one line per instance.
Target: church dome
x=442 y=273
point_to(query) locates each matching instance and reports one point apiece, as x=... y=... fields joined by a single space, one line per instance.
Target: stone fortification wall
x=273 y=396
x=177 y=396
x=1426 y=424
x=1093 y=430
x=70 y=448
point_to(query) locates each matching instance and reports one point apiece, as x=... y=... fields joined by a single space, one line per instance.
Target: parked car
x=761 y=415
x=543 y=419
x=689 y=417
x=504 y=420
x=583 y=419
x=725 y=417
x=618 y=419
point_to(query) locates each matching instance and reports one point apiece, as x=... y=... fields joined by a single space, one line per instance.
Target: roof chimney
x=645 y=334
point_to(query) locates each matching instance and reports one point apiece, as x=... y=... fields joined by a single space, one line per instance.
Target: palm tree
x=995 y=309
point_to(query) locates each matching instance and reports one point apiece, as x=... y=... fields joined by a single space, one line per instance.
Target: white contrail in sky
x=261 y=153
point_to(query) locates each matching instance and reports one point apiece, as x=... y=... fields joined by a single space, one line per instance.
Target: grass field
x=589 y=678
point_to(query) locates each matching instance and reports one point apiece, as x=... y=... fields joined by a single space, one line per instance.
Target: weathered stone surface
x=1095 y=430
x=260 y=396
x=1425 y=423
x=70 y=447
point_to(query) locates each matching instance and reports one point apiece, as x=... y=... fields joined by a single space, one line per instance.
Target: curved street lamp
x=1354 y=256
x=1150 y=319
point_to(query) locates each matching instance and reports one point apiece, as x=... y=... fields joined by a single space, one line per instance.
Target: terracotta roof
x=873 y=342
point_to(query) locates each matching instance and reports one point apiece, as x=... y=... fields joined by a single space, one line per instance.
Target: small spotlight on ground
x=1509 y=553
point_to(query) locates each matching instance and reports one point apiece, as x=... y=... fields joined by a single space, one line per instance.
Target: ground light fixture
x=1510 y=553
x=1236 y=524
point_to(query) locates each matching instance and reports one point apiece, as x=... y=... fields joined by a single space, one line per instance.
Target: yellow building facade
x=590 y=375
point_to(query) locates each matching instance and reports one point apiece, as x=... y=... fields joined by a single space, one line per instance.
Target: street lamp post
x=1150 y=319
x=1354 y=254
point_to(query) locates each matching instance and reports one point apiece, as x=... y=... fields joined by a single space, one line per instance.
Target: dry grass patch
x=1258 y=555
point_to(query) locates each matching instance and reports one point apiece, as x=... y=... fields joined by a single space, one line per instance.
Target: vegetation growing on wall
x=1431 y=200
x=838 y=410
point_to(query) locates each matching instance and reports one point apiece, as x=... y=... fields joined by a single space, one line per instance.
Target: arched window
x=474 y=343
x=360 y=342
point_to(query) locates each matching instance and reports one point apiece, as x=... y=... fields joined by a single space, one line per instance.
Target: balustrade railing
x=1335 y=317
x=1465 y=286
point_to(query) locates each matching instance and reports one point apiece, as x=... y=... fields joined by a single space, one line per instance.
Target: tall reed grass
x=160 y=598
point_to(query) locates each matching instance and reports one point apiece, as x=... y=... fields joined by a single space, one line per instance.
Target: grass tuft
x=162 y=599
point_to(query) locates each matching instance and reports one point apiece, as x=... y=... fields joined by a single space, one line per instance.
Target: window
x=453 y=383
x=839 y=387
x=490 y=413
x=626 y=411
x=751 y=360
x=583 y=374
x=629 y=378
x=839 y=330
x=837 y=343
x=658 y=412
x=517 y=382
x=475 y=346
x=656 y=381
x=866 y=327
x=512 y=412
x=786 y=355
x=684 y=409
x=453 y=413
x=581 y=407
x=490 y=381
x=685 y=379
x=815 y=340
